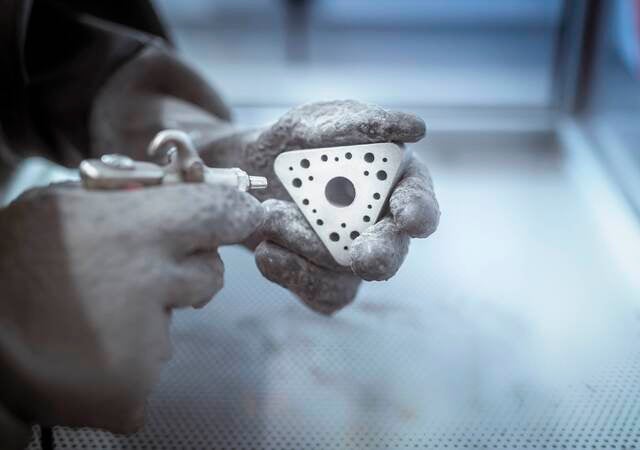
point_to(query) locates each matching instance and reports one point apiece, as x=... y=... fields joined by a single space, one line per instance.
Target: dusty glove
x=156 y=90
x=89 y=280
x=291 y=254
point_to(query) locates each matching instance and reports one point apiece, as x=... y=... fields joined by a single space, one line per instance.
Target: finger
x=413 y=202
x=342 y=122
x=379 y=251
x=285 y=225
x=321 y=290
x=176 y=219
x=187 y=217
x=212 y=215
x=194 y=281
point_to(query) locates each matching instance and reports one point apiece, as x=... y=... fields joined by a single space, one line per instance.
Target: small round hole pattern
x=340 y=190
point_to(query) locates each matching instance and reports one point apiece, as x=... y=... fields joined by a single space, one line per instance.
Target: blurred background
x=406 y=52
x=517 y=324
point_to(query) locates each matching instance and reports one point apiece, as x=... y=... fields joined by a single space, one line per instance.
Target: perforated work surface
x=510 y=328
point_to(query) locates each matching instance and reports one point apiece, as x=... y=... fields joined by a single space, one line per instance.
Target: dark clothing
x=54 y=57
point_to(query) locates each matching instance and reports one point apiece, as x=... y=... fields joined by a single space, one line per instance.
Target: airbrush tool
x=182 y=165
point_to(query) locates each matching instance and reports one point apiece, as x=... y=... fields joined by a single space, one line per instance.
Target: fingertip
x=256 y=212
x=274 y=210
x=408 y=127
x=263 y=260
x=374 y=261
x=205 y=299
x=413 y=203
x=242 y=214
x=275 y=263
x=418 y=217
x=378 y=253
x=322 y=291
x=195 y=281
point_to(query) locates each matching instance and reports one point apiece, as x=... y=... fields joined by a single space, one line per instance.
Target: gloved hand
x=89 y=280
x=291 y=254
x=156 y=90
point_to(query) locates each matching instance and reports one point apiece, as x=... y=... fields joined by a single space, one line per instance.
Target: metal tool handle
x=181 y=164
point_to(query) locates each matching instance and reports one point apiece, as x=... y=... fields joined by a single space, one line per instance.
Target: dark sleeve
x=64 y=52
x=135 y=15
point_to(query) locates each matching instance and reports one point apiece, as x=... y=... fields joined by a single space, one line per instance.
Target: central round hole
x=340 y=192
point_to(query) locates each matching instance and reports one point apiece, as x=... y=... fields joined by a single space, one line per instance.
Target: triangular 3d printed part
x=341 y=190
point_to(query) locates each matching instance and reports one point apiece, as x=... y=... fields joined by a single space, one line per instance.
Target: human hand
x=89 y=279
x=291 y=254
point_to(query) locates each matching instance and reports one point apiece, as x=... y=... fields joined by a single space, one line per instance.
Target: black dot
x=348 y=155
x=314 y=211
x=305 y=163
x=290 y=168
x=382 y=175
x=319 y=222
x=368 y=157
x=311 y=178
x=384 y=160
x=376 y=196
x=297 y=182
x=345 y=247
x=369 y=206
x=325 y=158
x=337 y=159
x=335 y=237
x=343 y=225
x=366 y=173
x=366 y=218
x=354 y=234
x=305 y=201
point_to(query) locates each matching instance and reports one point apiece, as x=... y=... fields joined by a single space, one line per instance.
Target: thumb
x=184 y=217
x=200 y=215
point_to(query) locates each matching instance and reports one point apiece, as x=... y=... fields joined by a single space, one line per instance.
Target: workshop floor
x=515 y=326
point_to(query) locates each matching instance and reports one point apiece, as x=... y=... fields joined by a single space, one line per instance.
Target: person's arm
x=154 y=91
x=89 y=280
x=62 y=55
